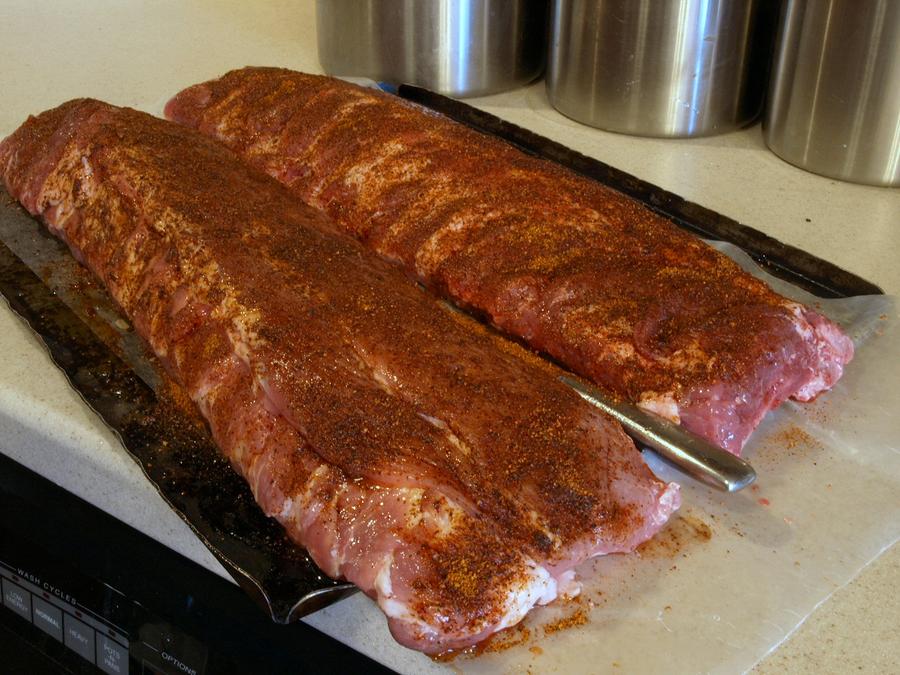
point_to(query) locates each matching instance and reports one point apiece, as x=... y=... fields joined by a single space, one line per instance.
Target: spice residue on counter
x=679 y=533
x=578 y=618
x=795 y=438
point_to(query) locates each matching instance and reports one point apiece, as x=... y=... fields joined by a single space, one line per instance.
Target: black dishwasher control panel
x=88 y=626
x=82 y=592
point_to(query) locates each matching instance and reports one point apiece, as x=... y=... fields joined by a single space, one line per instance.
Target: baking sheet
x=731 y=576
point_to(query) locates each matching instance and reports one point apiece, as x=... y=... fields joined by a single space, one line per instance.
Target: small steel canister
x=834 y=102
x=455 y=47
x=660 y=67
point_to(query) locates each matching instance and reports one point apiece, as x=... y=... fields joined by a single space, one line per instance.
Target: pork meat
x=443 y=471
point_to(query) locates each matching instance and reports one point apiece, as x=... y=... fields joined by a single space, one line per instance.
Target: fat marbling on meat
x=579 y=271
x=442 y=470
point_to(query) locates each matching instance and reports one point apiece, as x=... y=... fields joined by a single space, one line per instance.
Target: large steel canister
x=834 y=100
x=455 y=47
x=660 y=67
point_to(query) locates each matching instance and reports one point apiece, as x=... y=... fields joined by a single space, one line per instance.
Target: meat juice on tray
x=575 y=269
x=450 y=477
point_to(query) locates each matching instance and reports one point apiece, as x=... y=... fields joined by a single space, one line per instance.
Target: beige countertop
x=134 y=53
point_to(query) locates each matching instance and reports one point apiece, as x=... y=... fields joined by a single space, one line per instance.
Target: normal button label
x=48 y=618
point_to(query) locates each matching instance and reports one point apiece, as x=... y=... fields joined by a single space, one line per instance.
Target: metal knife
x=696 y=456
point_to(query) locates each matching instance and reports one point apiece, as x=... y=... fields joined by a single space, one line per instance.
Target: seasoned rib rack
x=615 y=292
x=442 y=470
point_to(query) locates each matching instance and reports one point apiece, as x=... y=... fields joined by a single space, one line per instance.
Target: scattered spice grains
x=577 y=618
x=512 y=637
x=678 y=533
x=520 y=635
x=794 y=441
x=498 y=642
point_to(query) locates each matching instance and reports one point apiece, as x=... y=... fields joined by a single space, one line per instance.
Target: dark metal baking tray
x=108 y=365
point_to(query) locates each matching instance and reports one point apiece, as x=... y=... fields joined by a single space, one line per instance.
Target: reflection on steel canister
x=660 y=67
x=834 y=101
x=454 y=47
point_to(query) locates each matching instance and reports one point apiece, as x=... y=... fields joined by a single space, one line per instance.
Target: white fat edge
x=801 y=325
x=393 y=608
x=442 y=521
x=812 y=388
x=383 y=583
x=336 y=118
x=825 y=349
x=242 y=334
x=428 y=251
x=57 y=191
x=433 y=421
x=306 y=496
x=254 y=474
x=535 y=518
x=454 y=440
x=668 y=503
x=433 y=242
x=381 y=379
x=686 y=356
x=88 y=184
x=358 y=174
x=306 y=504
x=566 y=585
x=620 y=349
x=541 y=589
x=663 y=405
x=207 y=391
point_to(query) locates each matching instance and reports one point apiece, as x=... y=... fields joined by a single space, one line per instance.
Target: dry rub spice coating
x=575 y=269
x=453 y=481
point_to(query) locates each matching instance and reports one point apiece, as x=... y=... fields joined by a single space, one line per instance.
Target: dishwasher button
x=79 y=637
x=48 y=618
x=17 y=599
x=111 y=656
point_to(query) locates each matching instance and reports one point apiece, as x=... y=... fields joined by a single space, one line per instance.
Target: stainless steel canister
x=455 y=47
x=660 y=67
x=834 y=102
